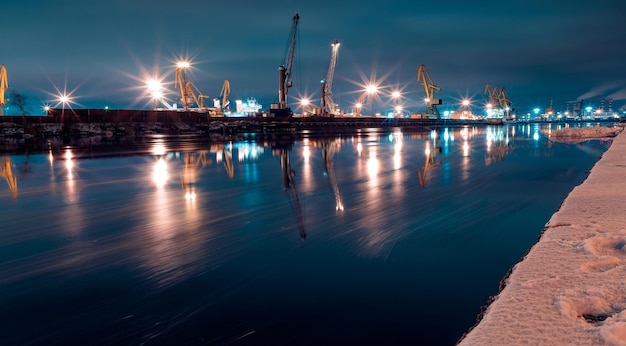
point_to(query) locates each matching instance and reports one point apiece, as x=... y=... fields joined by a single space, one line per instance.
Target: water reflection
x=214 y=267
x=497 y=138
x=329 y=148
x=289 y=184
x=9 y=177
x=429 y=163
x=194 y=164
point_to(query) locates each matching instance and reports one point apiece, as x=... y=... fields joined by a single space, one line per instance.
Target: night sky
x=103 y=50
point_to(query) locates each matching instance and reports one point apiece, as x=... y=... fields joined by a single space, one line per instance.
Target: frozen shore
x=570 y=289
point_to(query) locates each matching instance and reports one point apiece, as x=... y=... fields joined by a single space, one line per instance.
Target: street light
x=465 y=108
x=358 y=107
x=396 y=96
x=398 y=110
x=304 y=104
x=371 y=90
x=155 y=87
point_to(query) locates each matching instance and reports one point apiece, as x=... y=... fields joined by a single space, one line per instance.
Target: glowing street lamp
x=181 y=81
x=304 y=103
x=371 y=90
x=155 y=89
x=396 y=97
x=398 y=110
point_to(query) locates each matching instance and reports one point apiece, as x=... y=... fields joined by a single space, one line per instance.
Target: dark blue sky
x=537 y=50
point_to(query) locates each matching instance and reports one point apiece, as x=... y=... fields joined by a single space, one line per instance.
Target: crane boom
x=224 y=93
x=492 y=92
x=431 y=90
x=284 y=70
x=328 y=105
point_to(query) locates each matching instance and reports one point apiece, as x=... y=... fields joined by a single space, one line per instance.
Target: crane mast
x=328 y=105
x=431 y=90
x=284 y=70
x=4 y=84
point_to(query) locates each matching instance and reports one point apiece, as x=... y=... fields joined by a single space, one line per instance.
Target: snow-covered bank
x=581 y=134
x=570 y=288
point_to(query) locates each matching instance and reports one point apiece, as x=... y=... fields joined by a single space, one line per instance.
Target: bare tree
x=19 y=101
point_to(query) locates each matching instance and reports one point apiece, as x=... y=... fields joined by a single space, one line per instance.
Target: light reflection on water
x=316 y=240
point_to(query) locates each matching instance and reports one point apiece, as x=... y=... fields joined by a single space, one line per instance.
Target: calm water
x=386 y=238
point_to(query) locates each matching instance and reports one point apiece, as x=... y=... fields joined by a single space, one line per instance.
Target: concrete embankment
x=569 y=289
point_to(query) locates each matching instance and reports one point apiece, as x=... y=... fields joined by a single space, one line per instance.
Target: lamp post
x=155 y=90
x=371 y=90
x=304 y=103
x=465 y=108
x=396 y=96
x=358 y=107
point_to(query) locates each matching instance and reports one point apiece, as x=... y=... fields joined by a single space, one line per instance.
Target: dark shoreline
x=43 y=133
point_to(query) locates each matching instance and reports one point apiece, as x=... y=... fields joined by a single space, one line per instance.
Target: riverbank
x=569 y=289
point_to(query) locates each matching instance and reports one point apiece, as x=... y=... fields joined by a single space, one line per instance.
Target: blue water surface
x=384 y=238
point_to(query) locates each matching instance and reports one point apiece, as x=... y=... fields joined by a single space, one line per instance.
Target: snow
x=570 y=288
x=581 y=134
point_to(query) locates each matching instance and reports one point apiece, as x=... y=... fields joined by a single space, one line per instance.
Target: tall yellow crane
x=328 y=107
x=504 y=102
x=492 y=92
x=284 y=72
x=4 y=84
x=499 y=101
x=224 y=94
x=431 y=90
x=188 y=90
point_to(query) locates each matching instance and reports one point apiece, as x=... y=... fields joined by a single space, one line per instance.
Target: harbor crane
x=431 y=90
x=284 y=72
x=188 y=90
x=4 y=84
x=329 y=108
x=499 y=101
x=224 y=94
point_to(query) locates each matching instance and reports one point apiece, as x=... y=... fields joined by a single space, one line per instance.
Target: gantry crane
x=284 y=72
x=431 y=90
x=328 y=105
x=4 y=84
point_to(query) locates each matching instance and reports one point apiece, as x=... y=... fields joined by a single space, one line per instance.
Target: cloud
x=599 y=90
